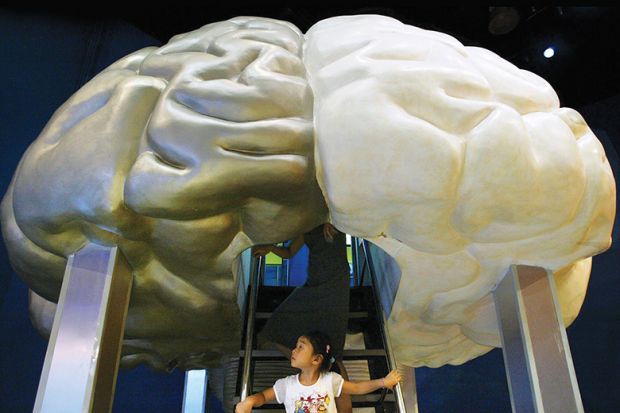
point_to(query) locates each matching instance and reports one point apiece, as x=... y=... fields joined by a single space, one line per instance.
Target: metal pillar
x=539 y=366
x=409 y=390
x=257 y=274
x=81 y=363
x=195 y=392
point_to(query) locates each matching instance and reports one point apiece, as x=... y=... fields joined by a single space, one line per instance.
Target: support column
x=195 y=393
x=257 y=274
x=82 y=358
x=409 y=390
x=537 y=358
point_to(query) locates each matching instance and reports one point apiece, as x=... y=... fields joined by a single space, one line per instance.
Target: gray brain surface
x=247 y=131
x=184 y=156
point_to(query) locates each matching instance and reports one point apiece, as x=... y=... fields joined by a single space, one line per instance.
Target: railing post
x=537 y=358
x=354 y=256
x=256 y=275
x=82 y=358
x=195 y=391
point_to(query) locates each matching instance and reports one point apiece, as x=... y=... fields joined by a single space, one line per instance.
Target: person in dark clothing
x=322 y=301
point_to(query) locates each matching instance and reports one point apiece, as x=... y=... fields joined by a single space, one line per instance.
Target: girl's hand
x=392 y=379
x=243 y=407
x=329 y=231
x=261 y=250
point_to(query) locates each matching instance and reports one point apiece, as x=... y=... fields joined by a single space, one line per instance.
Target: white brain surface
x=457 y=164
x=184 y=156
x=449 y=158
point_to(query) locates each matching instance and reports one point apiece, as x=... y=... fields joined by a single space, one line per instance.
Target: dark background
x=47 y=54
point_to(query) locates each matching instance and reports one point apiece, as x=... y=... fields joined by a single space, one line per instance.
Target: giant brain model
x=449 y=158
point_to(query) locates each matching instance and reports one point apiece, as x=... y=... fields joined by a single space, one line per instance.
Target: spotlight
x=549 y=52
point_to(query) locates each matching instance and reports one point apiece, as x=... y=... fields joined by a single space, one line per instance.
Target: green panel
x=273 y=259
x=349 y=254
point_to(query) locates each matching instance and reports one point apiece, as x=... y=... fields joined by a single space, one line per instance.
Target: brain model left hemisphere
x=184 y=156
x=246 y=132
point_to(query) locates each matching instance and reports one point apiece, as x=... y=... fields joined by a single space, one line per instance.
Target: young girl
x=323 y=300
x=315 y=388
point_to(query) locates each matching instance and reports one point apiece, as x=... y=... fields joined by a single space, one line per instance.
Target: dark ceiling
x=585 y=68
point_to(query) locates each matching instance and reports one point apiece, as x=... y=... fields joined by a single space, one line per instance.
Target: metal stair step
x=269 y=297
x=346 y=354
x=352 y=314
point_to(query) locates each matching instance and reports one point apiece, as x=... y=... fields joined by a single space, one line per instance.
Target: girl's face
x=302 y=355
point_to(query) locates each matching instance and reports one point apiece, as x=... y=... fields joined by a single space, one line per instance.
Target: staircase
x=365 y=356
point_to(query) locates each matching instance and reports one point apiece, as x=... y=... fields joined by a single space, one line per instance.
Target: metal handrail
x=355 y=258
x=257 y=273
x=387 y=345
x=361 y=267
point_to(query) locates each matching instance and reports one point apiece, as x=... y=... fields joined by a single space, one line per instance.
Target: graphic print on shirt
x=314 y=403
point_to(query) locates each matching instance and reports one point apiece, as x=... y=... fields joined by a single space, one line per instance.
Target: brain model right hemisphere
x=449 y=158
x=467 y=165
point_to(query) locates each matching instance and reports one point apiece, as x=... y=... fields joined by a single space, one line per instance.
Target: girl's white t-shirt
x=317 y=398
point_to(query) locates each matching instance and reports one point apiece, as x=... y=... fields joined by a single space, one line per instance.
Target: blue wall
x=47 y=58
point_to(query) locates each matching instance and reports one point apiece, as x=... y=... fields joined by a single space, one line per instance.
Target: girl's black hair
x=321 y=344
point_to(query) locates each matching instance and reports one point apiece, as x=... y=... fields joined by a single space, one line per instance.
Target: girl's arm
x=367 y=386
x=255 y=400
x=282 y=252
